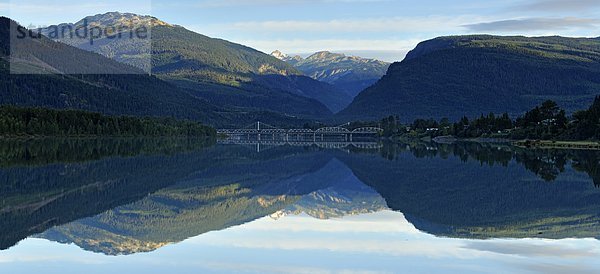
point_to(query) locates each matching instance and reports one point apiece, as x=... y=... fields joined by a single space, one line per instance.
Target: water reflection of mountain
x=236 y=196
x=343 y=194
x=483 y=191
x=149 y=200
x=38 y=196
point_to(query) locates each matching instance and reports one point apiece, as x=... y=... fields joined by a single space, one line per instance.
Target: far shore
x=548 y=144
x=583 y=145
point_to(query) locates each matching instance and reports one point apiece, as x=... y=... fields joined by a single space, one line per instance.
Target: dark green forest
x=16 y=121
x=44 y=151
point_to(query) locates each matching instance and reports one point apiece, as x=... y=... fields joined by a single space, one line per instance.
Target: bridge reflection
x=327 y=144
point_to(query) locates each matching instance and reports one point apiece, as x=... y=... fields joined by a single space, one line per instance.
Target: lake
x=193 y=206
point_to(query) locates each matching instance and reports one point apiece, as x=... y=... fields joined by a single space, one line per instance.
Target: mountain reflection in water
x=120 y=197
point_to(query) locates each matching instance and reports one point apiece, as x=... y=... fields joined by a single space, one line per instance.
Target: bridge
x=263 y=135
x=262 y=130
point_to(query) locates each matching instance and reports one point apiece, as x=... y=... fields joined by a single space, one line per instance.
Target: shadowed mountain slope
x=473 y=75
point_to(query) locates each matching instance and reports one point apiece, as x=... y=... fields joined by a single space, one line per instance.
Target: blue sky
x=385 y=29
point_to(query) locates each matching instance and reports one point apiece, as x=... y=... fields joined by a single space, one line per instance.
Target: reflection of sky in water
x=382 y=242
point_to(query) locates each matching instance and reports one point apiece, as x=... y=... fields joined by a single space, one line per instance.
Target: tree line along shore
x=546 y=125
x=32 y=122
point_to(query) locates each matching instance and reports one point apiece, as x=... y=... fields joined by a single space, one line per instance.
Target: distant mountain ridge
x=473 y=75
x=224 y=73
x=45 y=73
x=349 y=73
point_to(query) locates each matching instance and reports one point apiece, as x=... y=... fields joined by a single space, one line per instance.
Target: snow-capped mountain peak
x=279 y=55
x=286 y=58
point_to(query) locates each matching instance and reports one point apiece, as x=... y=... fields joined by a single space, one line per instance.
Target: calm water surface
x=189 y=206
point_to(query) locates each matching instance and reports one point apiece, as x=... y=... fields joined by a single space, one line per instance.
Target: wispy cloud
x=535 y=24
x=40 y=9
x=569 y=248
x=395 y=50
x=47 y=12
x=551 y=268
x=394 y=24
x=237 y=3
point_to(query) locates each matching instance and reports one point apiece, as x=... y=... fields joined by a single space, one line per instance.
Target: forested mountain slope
x=42 y=73
x=470 y=75
x=219 y=68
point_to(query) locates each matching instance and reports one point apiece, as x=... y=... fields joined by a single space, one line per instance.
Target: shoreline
x=580 y=145
x=526 y=144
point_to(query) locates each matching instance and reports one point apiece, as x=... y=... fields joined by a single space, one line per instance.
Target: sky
x=383 y=29
x=382 y=242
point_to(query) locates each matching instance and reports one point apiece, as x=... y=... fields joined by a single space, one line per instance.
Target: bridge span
x=262 y=130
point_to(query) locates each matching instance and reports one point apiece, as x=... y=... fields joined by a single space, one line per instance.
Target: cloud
x=237 y=3
x=370 y=25
x=568 y=248
x=364 y=234
x=26 y=7
x=389 y=233
x=383 y=49
x=386 y=221
x=535 y=24
x=227 y=266
x=392 y=37
x=551 y=268
x=558 y=5
x=49 y=12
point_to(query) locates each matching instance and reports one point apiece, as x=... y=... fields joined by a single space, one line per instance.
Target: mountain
x=348 y=73
x=225 y=73
x=332 y=97
x=41 y=72
x=126 y=93
x=288 y=59
x=474 y=75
